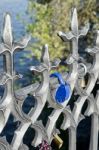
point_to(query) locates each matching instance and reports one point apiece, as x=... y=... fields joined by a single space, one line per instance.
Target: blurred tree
x=53 y=16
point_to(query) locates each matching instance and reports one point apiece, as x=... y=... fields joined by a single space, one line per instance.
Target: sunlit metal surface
x=12 y=101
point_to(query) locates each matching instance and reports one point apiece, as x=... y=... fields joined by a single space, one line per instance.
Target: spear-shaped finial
x=74 y=22
x=7 y=31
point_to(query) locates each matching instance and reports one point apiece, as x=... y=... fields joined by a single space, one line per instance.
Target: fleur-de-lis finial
x=75 y=33
x=45 y=62
x=8 y=47
x=8 y=37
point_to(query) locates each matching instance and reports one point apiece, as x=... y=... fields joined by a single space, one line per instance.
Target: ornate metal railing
x=55 y=90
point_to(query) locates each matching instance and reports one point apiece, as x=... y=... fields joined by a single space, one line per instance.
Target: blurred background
x=43 y=19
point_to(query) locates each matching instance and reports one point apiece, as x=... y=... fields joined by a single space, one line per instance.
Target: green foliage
x=89 y=12
x=53 y=16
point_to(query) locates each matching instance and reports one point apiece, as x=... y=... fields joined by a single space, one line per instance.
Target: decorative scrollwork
x=12 y=101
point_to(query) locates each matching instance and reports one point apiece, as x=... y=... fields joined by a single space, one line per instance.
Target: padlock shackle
x=58 y=76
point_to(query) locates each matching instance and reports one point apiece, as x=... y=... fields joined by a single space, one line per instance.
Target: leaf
x=65 y=36
x=23 y=42
x=84 y=31
x=7 y=31
x=74 y=22
x=39 y=68
x=45 y=56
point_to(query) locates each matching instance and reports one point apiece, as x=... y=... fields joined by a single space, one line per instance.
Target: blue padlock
x=63 y=91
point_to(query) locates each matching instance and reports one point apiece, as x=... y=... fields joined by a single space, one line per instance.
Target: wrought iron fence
x=56 y=90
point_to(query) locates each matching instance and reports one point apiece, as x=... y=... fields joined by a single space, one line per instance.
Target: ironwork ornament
x=13 y=100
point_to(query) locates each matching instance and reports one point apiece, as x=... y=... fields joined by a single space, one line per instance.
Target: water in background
x=17 y=8
x=14 y=7
x=22 y=59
